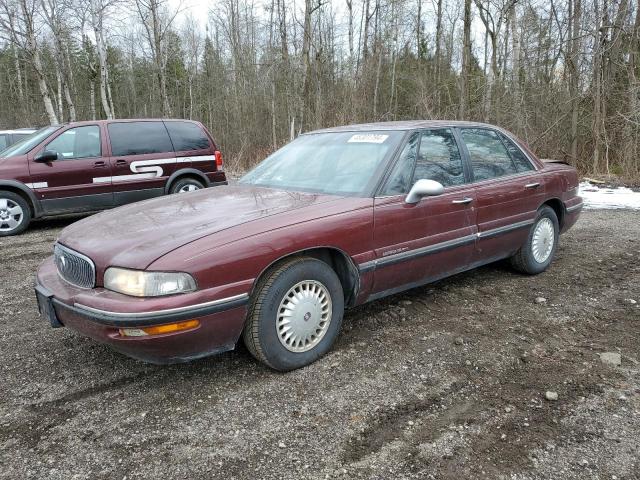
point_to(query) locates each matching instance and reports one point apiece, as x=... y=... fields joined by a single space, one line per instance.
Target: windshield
x=333 y=163
x=26 y=145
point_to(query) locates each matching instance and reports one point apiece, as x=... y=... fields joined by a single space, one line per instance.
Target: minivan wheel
x=537 y=253
x=184 y=185
x=295 y=314
x=15 y=214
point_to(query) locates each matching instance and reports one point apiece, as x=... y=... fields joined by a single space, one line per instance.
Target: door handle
x=99 y=164
x=121 y=162
x=464 y=201
x=532 y=185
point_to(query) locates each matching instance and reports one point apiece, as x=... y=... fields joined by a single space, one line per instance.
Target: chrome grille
x=74 y=267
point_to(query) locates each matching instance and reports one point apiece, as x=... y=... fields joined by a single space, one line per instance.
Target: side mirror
x=46 y=156
x=424 y=188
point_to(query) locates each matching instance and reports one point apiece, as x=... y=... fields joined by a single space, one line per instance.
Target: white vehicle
x=9 y=137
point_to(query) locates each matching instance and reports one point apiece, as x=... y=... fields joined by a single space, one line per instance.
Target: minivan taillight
x=219 y=162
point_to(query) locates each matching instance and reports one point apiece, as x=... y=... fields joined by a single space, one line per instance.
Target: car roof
x=402 y=125
x=125 y=120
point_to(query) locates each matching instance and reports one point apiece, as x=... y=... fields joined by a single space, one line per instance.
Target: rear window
x=187 y=136
x=138 y=138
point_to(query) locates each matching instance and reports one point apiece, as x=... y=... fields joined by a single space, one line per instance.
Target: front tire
x=15 y=214
x=537 y=253
x=295 y=314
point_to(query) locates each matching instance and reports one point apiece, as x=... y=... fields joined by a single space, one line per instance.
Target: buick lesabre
x=334 y=219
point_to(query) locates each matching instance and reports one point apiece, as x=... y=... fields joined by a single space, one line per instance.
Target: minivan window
x=187 y=136
x=29 y=143
x=4 y=140
x=79 y=142
x=138 y=138
x=489 y=157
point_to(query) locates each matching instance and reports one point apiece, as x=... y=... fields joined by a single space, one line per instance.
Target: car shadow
x=50 y=223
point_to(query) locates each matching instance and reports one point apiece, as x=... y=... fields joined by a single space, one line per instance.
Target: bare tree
x=18 y=21
x=157 y=19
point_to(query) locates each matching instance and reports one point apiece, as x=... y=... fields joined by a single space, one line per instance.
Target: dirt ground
x=446 y=381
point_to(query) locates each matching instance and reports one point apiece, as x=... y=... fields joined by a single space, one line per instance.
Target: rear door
x=415 y=243
x=68 y=183
x=142 y=159
x=192 y=146
x=508 y=191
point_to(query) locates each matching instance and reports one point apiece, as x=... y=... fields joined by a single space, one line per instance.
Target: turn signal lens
x=159 y=329
x=219 y=162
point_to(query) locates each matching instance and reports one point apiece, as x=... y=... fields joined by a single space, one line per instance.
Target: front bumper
x=221 y=321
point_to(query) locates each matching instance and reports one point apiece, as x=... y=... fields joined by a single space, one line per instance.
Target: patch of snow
x=595 y=197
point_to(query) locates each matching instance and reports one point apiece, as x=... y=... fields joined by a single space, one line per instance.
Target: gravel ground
x=445 y=381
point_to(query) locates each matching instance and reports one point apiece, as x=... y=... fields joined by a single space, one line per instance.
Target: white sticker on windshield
x=368 y=138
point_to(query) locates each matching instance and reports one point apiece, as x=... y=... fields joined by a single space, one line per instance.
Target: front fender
x=23 y=188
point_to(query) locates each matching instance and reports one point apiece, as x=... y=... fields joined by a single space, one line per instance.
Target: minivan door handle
x=99 y=164
x=121 y=162
x=532 y=185
x=463 y=201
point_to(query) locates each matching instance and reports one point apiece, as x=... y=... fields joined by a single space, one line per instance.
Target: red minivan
x=90 y=166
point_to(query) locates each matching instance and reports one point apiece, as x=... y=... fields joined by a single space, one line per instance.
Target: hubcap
x=304 y=316
x=543 y=240
x=189 y=187
x=11 y=215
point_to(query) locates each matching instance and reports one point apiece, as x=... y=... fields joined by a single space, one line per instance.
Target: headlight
x=147 y=284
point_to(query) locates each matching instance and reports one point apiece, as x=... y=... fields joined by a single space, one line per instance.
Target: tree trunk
x=574 y=75
x=306 y=59
x=466 y=59
x=92 y=99
x=438 y=40
x=96 y=23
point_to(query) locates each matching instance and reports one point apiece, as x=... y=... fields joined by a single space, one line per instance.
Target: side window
x=187 y=136
x=519 y=158
x=399 y=181
x=4 y=141
x=439 y=158
x=137 y=138
x=79 y=142
x=489 y=157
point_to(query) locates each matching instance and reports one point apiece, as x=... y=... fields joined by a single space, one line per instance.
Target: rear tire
x=15 y=214
x=537 y=253
x=185 y=185
x=295 y=314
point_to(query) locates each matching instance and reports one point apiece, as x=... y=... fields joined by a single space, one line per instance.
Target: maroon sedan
x=336 y=218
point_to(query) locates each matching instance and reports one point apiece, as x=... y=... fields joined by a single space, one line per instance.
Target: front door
x=67 y=184
x=508 y=192
x=416 y=243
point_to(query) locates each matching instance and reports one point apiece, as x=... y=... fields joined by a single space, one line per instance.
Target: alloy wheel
x=11 y=215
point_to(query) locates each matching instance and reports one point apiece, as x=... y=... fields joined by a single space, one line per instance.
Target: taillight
x=219 y=162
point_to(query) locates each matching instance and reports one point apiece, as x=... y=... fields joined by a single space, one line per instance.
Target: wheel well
x=339 y=261
x=557 y=207
x=24 y=196
x=191 y=175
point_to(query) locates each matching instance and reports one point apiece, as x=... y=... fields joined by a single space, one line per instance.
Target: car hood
x=135 y=235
